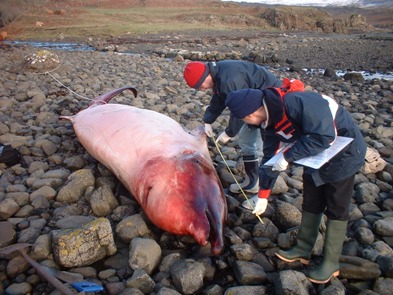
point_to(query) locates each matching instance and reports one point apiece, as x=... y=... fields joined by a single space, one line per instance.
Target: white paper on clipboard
x=318 y=160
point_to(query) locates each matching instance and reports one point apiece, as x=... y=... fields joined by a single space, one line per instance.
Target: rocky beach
x=59 y=197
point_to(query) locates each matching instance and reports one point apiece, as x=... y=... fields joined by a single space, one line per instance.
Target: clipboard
x=318 y=160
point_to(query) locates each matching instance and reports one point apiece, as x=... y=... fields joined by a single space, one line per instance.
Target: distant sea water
x=82 y=47
x=53 y=45
x=367 y=75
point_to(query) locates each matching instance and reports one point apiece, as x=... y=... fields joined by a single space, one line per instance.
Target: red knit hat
x=195 y=73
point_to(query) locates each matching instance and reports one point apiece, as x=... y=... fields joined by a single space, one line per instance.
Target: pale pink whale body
x=168 y=170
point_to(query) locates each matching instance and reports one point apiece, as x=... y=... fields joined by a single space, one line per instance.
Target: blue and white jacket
x=312 y=122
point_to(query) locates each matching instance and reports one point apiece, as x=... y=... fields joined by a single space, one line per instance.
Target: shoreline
x=354 y=52
x=33 y=210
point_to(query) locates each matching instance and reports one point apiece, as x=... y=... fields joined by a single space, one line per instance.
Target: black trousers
x=333 y=199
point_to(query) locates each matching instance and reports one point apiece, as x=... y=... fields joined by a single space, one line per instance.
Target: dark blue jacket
x=231 y=75
x=306 y=118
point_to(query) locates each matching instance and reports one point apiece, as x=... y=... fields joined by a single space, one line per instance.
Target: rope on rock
x=230 y=171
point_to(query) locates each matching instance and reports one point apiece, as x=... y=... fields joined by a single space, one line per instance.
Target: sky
x=300 y=2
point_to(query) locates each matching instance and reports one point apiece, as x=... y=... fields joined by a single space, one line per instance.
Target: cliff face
x=56 y=19
x=287 y=18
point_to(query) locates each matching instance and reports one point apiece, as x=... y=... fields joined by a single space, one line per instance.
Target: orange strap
x=292 y=85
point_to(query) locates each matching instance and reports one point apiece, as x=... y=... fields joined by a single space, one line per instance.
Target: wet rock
x=73 y=221
x=142 y=281
x=46 y=198
x=384 y=227
x=249 y=290
x=144 y=253
x=81 y=247
x=188 y=275
x=286 y=215
x=103 y=201
x=8 y=208
x=378 y=248
x=386 y=265
x=329 y=72
x=358 y=268
x=364 y=236
x=249 y=273
x=16 y=266
x=167 y=291
x=8 y=233
x=383 y=286
x=267 y=229
x=76 y=186
x=42 y=248
x=19 y=288
x=243 y=252
x=354 y=77
x=367 y=192
x=132 y=227
x=293 y=282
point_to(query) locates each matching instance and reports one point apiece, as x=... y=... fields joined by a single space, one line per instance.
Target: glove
x=209 y=130
x=281 y=164
x=261 y=204
x=223 y=138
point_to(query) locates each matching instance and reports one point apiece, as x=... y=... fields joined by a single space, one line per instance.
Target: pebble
x=70 y=209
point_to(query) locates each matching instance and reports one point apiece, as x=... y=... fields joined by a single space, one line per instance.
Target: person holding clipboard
x=311 y=122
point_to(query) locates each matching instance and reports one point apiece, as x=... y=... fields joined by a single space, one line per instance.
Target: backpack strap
x=292 y=85
x=284 y=127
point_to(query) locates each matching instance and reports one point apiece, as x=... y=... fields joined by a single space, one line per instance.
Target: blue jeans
x=250 y=141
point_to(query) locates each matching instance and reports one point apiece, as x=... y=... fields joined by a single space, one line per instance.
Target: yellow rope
x=230 y=171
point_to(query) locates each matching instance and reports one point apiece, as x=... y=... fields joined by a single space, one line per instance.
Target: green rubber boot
x=334 y=239
x=308 y=234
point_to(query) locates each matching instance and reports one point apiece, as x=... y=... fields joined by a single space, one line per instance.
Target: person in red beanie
x=223 y=77
x=310 y=122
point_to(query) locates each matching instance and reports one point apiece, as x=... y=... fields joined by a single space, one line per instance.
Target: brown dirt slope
x=80 y=19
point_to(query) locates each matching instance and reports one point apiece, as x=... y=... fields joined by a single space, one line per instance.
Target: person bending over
x=223 y=77
x=311 y=121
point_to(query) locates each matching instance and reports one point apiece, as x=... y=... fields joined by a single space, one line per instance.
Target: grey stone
x=358 y=268
x=76 y=185
x=188 y=275
x=142 y=281
x=286 y=215
x=383 y=286
x=83 y=246
x=132 y=227
x=266 y=230
x=144 y=253
x=8 y=233
x=384 y=227
x=8 y=208
x=249 y=290
x=19 y=288
x=167 y=291
x=293 y=282
x=73 y=221
x=102 y=201
x=243 y=252
x=249 y=273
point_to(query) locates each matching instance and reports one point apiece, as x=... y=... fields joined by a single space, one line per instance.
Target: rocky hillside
x=312 y=19
x=49 y=19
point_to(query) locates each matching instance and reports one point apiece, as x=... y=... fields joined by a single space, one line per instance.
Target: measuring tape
x=230 y=171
